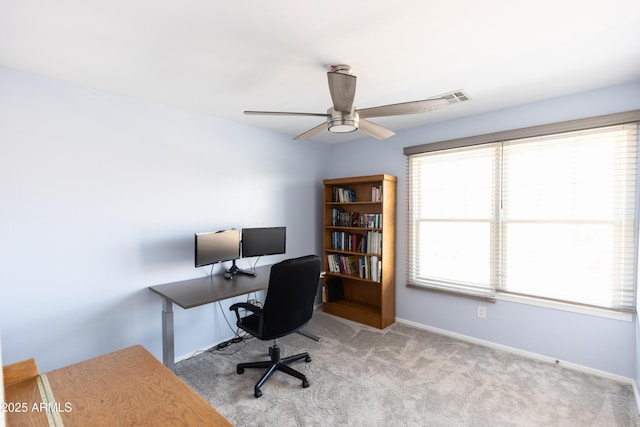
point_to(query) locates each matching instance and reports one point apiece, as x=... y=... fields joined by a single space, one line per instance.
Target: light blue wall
x=101 y=195
x=595 y=342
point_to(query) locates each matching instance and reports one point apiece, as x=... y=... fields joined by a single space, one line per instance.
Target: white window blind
x=568 y=216
x=453 y=218
x=551 y=217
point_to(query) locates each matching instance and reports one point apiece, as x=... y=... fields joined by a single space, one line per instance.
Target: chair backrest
x=288 y=306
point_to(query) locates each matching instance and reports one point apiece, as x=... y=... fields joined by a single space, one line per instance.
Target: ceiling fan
x=343 y=117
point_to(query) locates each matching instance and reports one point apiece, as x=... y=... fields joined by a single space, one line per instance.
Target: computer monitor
x=217 y=246
x=263 y=241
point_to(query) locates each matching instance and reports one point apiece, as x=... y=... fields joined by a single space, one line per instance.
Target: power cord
x=237 y=339
x=236 y=332
x=255 y=264
x=227 y=343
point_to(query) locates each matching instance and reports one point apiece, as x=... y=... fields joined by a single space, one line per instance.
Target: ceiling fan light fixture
x=341 y=122
x=343 y=125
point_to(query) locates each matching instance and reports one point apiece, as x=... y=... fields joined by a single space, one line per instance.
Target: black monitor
x=218 y=246
x=263 y=241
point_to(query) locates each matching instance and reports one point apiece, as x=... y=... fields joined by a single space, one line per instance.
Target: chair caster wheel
x=307 y=359
x=305 y=383
x=257 y=393
x=240 y=370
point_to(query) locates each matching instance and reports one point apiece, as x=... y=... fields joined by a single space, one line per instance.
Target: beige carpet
x=403 y=376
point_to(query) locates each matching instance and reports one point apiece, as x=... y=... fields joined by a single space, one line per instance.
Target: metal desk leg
x=168 y=355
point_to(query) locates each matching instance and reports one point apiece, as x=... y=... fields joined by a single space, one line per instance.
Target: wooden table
x=126 y=388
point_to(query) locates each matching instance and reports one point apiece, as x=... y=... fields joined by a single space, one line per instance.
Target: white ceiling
x=223 y=57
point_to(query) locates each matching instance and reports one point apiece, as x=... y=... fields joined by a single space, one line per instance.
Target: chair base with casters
x=276 y=364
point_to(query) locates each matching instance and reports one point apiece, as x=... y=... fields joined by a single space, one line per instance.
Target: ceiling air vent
x=455 y=97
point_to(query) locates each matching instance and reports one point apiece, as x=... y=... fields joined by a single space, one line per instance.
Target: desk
x=125 y=388
x=203 y=290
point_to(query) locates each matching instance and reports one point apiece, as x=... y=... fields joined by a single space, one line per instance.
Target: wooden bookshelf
x=359 y=247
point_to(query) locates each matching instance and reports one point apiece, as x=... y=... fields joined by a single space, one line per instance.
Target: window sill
x=556 y=305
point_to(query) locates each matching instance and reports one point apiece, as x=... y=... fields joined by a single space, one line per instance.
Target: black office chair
x=287 y=308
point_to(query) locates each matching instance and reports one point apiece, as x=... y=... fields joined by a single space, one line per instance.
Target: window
x=550 y=216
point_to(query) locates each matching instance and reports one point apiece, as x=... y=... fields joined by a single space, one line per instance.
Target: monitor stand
x=235 y=270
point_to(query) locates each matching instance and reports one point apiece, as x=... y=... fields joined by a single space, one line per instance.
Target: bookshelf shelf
x=354 y=203
x=347 y=228
x=367 y=314
x=359 y=248
x=354 y=277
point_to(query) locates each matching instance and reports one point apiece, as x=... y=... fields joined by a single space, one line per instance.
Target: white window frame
x=493 y=293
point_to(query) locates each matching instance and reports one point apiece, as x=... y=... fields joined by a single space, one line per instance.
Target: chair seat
x=251 y=324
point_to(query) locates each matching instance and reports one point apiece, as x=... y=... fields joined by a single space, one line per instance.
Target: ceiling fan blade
x=284 y=113
x=414 y=107
x=374 y=130
x=313 y=131
x=343 y=89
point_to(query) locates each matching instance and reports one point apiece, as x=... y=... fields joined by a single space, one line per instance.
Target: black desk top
x=205 y=290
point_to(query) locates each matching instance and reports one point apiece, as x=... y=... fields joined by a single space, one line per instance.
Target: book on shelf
x=344 y=241
x=342 y=218
x=366 y=266
x=344 y=195
x=333 y=290
x=369 y=242
x=376 y=193
x=345 y=264
x=371 y=220
x=370 y=267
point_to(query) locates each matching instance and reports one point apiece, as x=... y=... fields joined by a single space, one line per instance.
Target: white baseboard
x=528 y=354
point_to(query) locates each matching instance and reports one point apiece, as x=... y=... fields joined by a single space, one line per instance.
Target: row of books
x=341 y=194
x=366 y=267
x=376 y=194
x=369 y=242
x=369 y=220
x=342 y=218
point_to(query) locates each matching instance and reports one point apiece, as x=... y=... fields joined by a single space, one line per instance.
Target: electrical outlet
x=481 y=312
x=252 y=301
